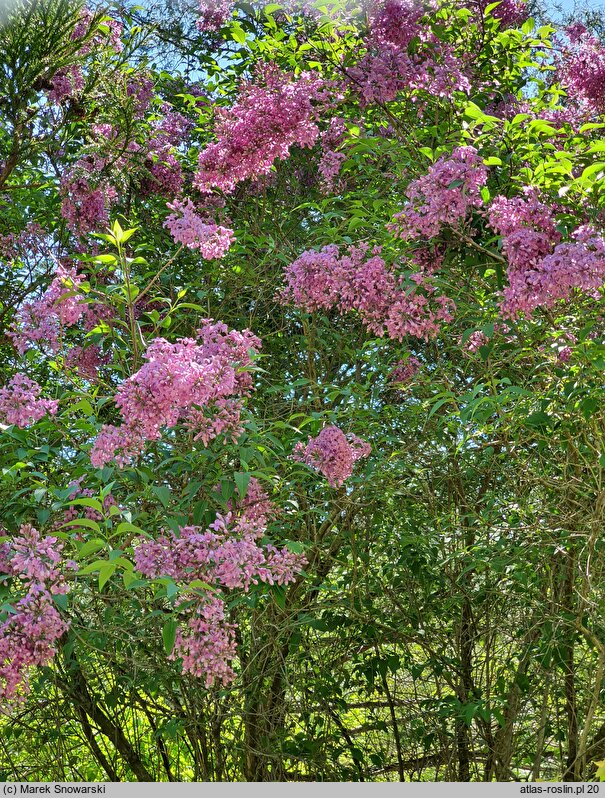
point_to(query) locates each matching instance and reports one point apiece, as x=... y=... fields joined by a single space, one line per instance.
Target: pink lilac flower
x=541 y=269
x=331 y=158
x=564 y=354
x=576 y=265
x=86 y=361
x=444 y=196
x=387 y=305
x=172 y=128
x=405 y=370
x=110 y=31
x=206 y=644
x=226 y=556
x=30 y=246
x=97 y=313
x=511 y=13
x=581 y=68
x=121 y=445
x=141 y=88
x=194 y=232
x=29 y=636
x=113 y=35
x=181 y=382
x=69 y=80
x=214 y=14
x=329 y=167
x=20 y=402
x=507 y=216
x=333 y=454
x=427 y=260
x=262 y=126
x=396 y=21
x=165 y=174
x=389 y=68
x=66 y=82
x=575 y=112
x=87 y=195
x=41 y=321
x=529 y=240
x=222 y=418
x=475 y=341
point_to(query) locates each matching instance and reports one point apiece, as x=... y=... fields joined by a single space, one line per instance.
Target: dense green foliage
x=448 y=624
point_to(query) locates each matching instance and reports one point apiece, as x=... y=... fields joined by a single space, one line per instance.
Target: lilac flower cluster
x=333 y=454
x=581 y=67
x=165 y=174
x=380 y=77
x=444 y=196
x=87 y=195
x=541 y=269
x=387 y=306
x=511 y=13
x=389 y=67
x=564 y=354
x=227 y=555
x=29 y=636
x=194 y=232
x=69 y=80
x=42 y=320
x=575 y=112
x=141 y=88
x=405 y=370
x=181 y=382
x=213 y=14
x=331 y=158
x=474 y=342
x=20 y=402
x=66 y=82
x=88 y=188
x=396 y=22
x=85 y=361
x=30 y=246
x=262 y=126
x=527 y=227
x=578 y=264
x=110 y=32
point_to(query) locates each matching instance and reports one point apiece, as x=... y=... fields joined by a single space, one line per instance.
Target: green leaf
x=126 y=526
x=61 y=600
x=439 y=404
x=593 y=169
x=163 y=494
x=85 y=522
x=169 y=634
x=198 y=584
x=89 y=547
x=126 y=234
x=242 y=480
x=97 y=565
x=106 y=573
x=237 y=34
x=105 y=259
x=600 y=774
x=540 y=126
x=539 y=420
x=95 y=504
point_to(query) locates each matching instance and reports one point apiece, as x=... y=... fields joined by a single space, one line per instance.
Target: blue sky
x=568 y=5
